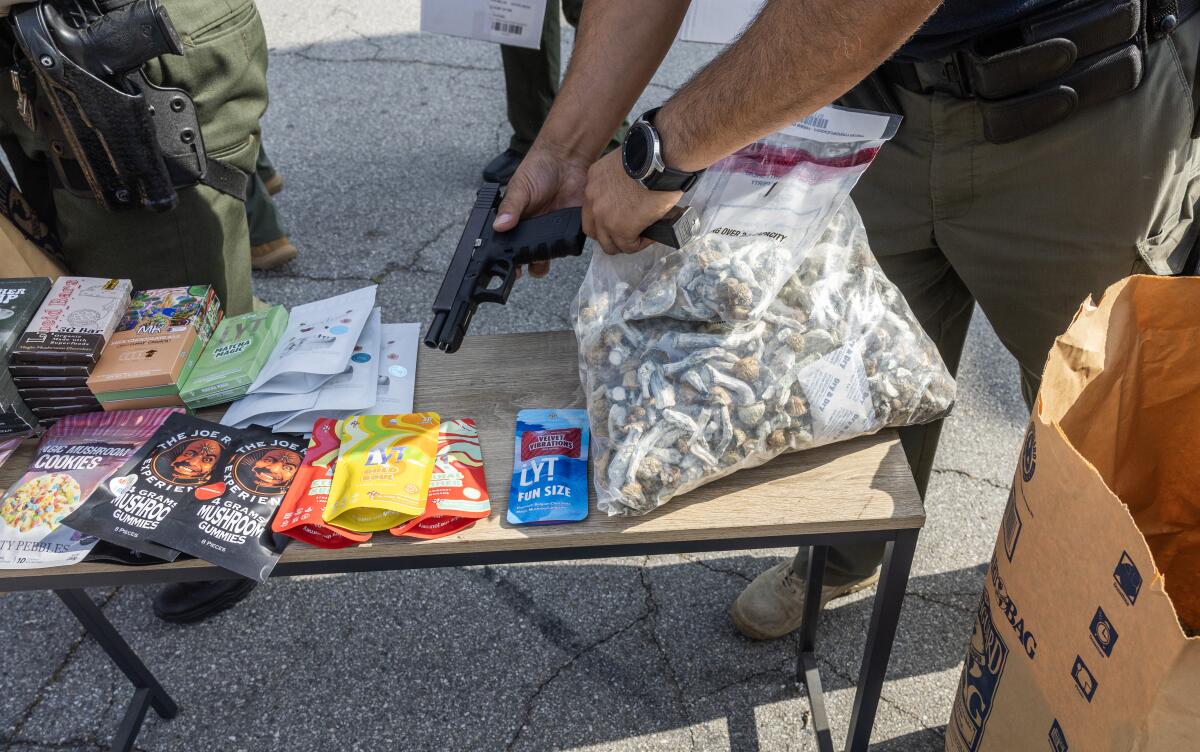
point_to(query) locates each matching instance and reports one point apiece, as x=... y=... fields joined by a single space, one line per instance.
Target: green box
x=235 y=354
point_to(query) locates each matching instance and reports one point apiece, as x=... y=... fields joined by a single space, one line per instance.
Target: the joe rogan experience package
x=154 y=348
x=233 y=530
x=233 y=357
x=183 y=462
x=74 y=322
x=77 y=454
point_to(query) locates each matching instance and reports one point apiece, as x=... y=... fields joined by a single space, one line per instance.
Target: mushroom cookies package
x=774 y=331
x=233 y=530
x=183 y=462
x=77 y=454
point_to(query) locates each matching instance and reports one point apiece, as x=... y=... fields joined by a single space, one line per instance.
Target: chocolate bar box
x=74 y=321
x=19 y=301
x=158 y=341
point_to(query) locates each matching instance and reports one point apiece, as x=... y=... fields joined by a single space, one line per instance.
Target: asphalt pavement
x=380 y=133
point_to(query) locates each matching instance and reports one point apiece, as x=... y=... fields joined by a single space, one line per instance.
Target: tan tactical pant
x=1028 y=229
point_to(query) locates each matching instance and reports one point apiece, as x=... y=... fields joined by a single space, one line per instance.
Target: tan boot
x=274 y=183
x=773 y=605
x=273 y=253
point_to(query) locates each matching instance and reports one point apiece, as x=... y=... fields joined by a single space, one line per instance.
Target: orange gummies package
x=300 y=512
x=458 y=494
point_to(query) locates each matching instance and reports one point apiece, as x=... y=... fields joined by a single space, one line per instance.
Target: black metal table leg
x=810 y=677
x=148 y=692
x=897 y=561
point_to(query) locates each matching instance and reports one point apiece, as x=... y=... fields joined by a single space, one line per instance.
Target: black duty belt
x=1033 y=74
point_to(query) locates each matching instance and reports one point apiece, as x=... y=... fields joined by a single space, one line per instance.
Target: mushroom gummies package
x=550 y=458
x=233 y=530
x=458 y=494
x=300 y=512
x=182 y=462
x=383 y=471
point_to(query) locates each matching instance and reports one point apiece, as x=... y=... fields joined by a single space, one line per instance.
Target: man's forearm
x=619 y=45
x=797 y=56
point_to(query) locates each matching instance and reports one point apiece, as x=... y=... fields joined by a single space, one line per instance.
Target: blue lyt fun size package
x=550 y=455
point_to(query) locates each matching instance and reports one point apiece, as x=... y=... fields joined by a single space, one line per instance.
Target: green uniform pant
x=531 y=78
x=204 y=240
x=262 y=216
x=1027 y=229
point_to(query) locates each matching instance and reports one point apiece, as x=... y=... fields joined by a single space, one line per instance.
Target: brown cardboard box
x=1081 y=637
x=156 y=339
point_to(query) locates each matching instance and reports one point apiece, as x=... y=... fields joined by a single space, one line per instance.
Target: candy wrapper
x=300 y=512
x=183 y=462
x=75 y=456
x=383 y=470
x=550 y=457
x=458 y=492
x=234 y=530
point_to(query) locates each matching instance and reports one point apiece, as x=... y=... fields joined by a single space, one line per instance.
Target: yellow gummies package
x=383 y=470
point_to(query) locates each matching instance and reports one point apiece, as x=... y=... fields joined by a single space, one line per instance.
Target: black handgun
x=112 y=133
x=484 y=265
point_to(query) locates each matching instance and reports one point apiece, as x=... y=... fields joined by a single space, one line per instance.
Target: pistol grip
x=551 y=236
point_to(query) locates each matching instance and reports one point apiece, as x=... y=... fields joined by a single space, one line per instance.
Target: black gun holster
x=1034 y=74
x=112 y=133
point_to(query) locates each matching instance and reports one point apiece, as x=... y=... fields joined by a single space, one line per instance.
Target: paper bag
x=1080 y=637
x=28 y=248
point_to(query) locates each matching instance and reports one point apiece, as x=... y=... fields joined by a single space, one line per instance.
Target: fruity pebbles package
x=383 y=470
x=458 y=493
x=549 y=482
x=233 y=530
x=184 y=460
x=74 y=457
x=300 y=511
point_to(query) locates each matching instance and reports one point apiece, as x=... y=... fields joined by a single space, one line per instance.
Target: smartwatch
x=641 y=155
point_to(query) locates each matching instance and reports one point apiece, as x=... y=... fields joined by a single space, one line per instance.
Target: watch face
x=637 y=151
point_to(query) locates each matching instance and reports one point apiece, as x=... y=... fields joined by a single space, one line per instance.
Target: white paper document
x=317 y=343
x=345 y=394
x=397 y=369
x=512 y=22
x=718 y=21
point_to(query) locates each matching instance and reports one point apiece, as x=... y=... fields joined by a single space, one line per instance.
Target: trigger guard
x=502 y=268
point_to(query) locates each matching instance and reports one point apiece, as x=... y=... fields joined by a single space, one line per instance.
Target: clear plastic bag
x=762 y=209
x=831 y=352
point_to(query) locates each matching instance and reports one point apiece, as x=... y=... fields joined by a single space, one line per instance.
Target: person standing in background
x=531 y=79
x=269 y=243
x=204 y=239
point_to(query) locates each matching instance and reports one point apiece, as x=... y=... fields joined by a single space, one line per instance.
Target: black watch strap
x=669 y=179
x=673 y=180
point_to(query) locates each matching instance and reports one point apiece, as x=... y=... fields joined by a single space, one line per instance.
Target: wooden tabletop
x=859 y=485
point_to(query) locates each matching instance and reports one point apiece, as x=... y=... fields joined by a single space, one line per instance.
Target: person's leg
x=530 y=84
x=205 y=239
x=270 y=245
x=1064 y=213
x=893 y=198
x=264 y=168
x=531 y=81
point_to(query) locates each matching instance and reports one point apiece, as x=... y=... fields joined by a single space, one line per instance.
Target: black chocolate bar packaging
x=234 y=530
x=74 y=321
x=20 y=298
x=182 y=464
